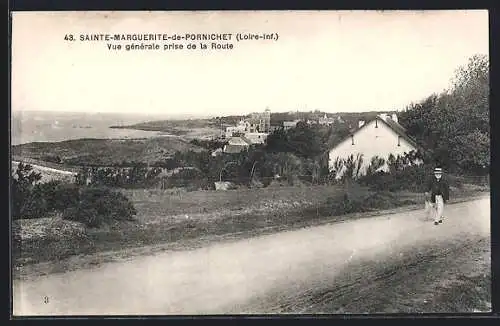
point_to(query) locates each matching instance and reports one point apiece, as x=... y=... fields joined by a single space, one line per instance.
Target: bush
x=52 y=158
x=350 y=203
x=34 y=205
x=340 y=206
x=188 y=178
x=380 y=200
x=99 y=205
x=25 y=204
x=57 y=195
x=412 y=178
x=87 y=216
x=89 y=205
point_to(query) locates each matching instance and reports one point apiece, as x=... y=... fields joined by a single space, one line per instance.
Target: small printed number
x=68 y=37
x=45 y=299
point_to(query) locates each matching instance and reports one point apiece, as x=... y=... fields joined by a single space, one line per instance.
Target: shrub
x=25 y=204
x=48 y=189
x=99 y=205
x=57 y=195
x=340 y=206
x=190 y=178
x=380 y=200
x=34 y=205
x=66 y=195
x=412 y=178
x=89 y=205
x=52 y=158
x=87 y=216
x=354 y=203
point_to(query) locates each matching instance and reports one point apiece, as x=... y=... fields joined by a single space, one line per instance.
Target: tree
x=303 y=140
x=25 y=202
x=474 y=153
x=456 y=122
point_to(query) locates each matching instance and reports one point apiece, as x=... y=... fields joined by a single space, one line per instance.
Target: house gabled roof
x=239 y=141
x=246 y=140
x=393 y=125
x=400 y=130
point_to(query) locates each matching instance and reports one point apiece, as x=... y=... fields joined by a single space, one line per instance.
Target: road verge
x=128 y=240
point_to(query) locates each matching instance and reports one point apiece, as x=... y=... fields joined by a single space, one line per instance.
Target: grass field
x=170 y=217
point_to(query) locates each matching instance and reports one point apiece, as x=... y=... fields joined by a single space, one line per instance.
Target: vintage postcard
x=250 y=162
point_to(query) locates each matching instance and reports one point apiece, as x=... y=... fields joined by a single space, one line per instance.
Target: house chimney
x=394 y=117
x=361 y=123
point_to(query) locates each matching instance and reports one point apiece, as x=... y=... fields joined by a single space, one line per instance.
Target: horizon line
x=305 y=110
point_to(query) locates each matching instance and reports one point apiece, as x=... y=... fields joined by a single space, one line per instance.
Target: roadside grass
x=166 y=216
x=429 y=280
x=467 y=294
x=464 y=286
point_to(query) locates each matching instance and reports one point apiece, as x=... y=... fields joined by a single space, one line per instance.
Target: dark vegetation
x=454 y=125
x=91 y=205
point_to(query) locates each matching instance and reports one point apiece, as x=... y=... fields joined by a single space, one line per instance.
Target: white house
x=242 y=127
x=380 y=137
x=236 y=145
x=256 y=137
x=290 y=124
x=325 y=120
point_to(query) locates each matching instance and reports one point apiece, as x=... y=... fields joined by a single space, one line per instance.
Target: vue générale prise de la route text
x=162 y=41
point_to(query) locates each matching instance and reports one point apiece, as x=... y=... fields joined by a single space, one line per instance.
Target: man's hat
x=438 y=170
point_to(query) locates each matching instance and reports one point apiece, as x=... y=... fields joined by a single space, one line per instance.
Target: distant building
x=241 y=128
x=275 y=127
x=290 y=124
x=325 y=120
x=256 y=137
x=260 y=122
x=237 y=145
x=217 y=152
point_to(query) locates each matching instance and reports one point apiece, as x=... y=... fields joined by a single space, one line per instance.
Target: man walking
x=439 y=192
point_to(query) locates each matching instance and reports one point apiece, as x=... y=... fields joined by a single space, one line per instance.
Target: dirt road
x=381 y=264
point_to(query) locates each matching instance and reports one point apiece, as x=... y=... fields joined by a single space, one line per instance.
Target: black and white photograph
x=242 y=163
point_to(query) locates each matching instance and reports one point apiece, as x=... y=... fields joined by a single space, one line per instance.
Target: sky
x=334 y=61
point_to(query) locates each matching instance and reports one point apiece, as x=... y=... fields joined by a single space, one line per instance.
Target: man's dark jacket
x=438 y=187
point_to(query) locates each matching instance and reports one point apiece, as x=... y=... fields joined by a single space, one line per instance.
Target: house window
x=399 y=140
x=352 y=139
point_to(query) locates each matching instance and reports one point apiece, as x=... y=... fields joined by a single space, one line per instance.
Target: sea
x=45 y=126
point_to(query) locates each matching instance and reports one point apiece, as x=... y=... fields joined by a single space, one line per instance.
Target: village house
x=237 y=145
x=379 y=137
x=217 y=152
x=256 y=137
x=242 y=127
x=275 y=127
x=290 y=124
x=325 y=120
x=259 y=122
